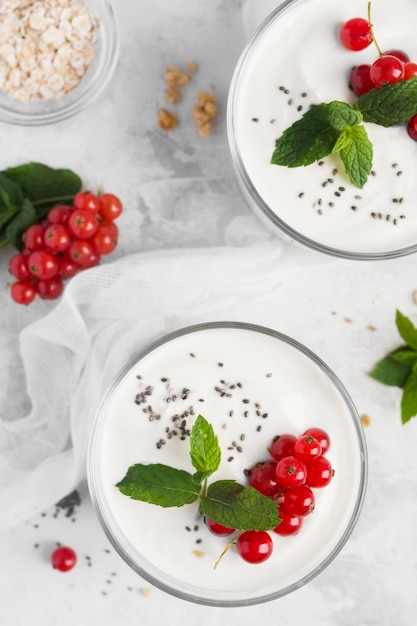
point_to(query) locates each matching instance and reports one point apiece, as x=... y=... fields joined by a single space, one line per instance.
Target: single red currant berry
x=218 y=529
x=59 y=214
x=86 y=201
x=398 y=54
x=50 y=289
x=33 y=238
x=43 y=264
x=282 y=446
x=67 y=267
x=254 y=546
x=386 y=70
x=92 y=261
x=23 y=292
x=410 y=70
x=18 y=266
x=290 y=523
x=319 y=472
x=81 y=252
x=63 y=559
x=110 y=206
x=82 y=224
x=360 y=80
x=355 y=34
x=412 y=128
x=291 y=472
x=299 y=500
x=57 y=237
x=321 y=436
x=263 y=478
x=307 y=448
x=106 y=238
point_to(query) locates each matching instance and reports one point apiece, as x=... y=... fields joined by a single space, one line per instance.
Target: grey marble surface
x=342 y=310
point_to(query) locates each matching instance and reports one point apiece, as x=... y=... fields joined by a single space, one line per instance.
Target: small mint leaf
x=357 y=156
x=205 y=451
x=391 y=105
x=233 y=505
x=407 y=356
x=159 y=484
x=343 y=141
x=341 y=115
x=390 y=370
x=409 y=398
x=406 y=329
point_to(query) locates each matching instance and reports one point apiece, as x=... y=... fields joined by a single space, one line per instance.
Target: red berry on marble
x=355 y=34
x=23 y=292
x=110 y=206
x=18 y=266
x=63 y=559
x=254 y=546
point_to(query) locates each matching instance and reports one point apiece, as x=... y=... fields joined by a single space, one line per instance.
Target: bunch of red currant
x=390 y=67
x=298 y=466
x=71 y=239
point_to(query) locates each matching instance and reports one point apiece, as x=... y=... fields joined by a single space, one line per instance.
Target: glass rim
x=246 y=185
x=210 y=598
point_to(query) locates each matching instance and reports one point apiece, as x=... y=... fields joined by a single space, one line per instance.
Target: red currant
x=319 y=472
x=50 y=289
x=218 y=529
x=83 y=224
x=23 y=292
x=355 y=34
x=43 y=264
x=59 y=214
x=255 y=546
x=67 y=267
x=321 y=436
x=290 y=523
x=412 y=128
x=263 y=478
x=410 y=70
x=18 y=266
x=110 y=206
x=282 y=446
x=299 y=500
x=105 y=239
x=33 y=238
x=398 y=54
x=86 y=201
x=307 y=448
x=360 y=80
x=63 y=559
x=57 y=238
x=81 y=252
x=291 y=472
x=386 y=70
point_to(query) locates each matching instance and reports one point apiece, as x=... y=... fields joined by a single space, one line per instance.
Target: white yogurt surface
x=300 y=53
x=287 y=392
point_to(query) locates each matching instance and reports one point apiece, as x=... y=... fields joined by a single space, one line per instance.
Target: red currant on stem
x=43 y=264
x=254 y=546
x=57 y=238
x=263 y=478
x=386 y=70
x=218 y=529
x=33 y=238
x=82 y=224
x=355 y=34
x=59 y=214
x=290 y=472
x=50 y=289
x=110 y=206
x=23 y=292
x=63 y=559
x=86 y=201
x=106 y=237
x=18 y=266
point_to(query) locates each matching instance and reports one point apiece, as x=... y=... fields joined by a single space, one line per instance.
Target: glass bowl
x=251 y=383
x=294 y=61
x=93 y=83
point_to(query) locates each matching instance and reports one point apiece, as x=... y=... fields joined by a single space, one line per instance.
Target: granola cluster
x=46 y=47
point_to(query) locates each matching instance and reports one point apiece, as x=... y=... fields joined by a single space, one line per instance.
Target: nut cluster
x=46 y=47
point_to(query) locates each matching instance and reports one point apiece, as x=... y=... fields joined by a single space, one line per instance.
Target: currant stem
x=372 y=31
x=227 y=548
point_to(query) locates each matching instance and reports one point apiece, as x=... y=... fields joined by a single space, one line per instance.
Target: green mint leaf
x=204 y=447
x=200 y=477
x=357 y=155
x=405 y=355
x=390 y=370
x=406 y=329
x=391 y=105
x=343 y=141
x=236 y=506
x=159 y=484
x=409 y=398
x=341 y=115
x=310 y=138
x=21 y=222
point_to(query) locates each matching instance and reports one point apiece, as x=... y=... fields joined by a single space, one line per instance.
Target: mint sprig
x=399 y=367
x=227 y=502
x=336 y=126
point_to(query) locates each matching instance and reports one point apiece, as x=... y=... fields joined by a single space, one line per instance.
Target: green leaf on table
x=393 y=369
x=406 y=329
x=21 y=221
x=357 y=155
x=205 y=451
x=392 y=105
x=159 y=484
x=233 y=505
x=409 y=398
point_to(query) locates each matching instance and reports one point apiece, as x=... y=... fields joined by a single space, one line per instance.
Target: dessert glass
x=250 y=383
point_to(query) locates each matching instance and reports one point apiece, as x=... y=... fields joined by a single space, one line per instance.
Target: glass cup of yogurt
x=294 y=61
x=251 y=383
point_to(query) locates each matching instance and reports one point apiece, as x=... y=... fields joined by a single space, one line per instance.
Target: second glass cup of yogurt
x=250 y=383
x=295 y=60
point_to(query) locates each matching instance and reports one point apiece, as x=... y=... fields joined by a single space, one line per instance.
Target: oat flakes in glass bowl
x=56 y=57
